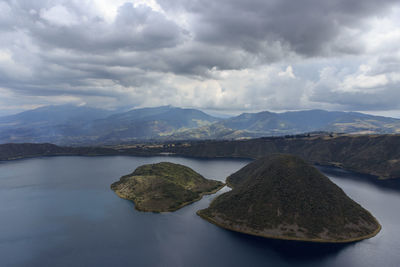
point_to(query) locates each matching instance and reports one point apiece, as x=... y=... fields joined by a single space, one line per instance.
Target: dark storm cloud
x=308 y=27
x=52 y=47
x=135 y=28
x=221 y=34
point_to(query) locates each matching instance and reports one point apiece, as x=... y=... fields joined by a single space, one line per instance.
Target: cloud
x=364 y=89
x=134 y=28
x=308 y=28
x=58 y=15
x=236 y=55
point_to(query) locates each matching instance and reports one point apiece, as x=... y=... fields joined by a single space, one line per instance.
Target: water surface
x=60 y=211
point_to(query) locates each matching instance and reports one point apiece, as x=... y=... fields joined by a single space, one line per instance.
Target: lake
x=60 y=211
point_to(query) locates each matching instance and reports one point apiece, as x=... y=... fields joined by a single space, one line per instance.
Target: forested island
x=283 y=197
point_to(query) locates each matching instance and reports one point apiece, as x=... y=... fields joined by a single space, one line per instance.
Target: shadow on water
x=292 y=251
x=388 y=184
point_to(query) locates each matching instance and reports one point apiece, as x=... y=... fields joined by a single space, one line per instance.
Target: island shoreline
x=174 y=209
x=350 y=240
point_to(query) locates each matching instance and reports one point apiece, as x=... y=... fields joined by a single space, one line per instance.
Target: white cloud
x=5 y=13
x=244 y=90
x=363 y=89
x=287 y=73
x=364 y=83
x=11 y=68
x=364 y=80
x=59 y=15
x=383 y=35
x=108 y=9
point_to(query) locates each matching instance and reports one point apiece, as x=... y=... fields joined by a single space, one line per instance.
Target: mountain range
x=80 y=125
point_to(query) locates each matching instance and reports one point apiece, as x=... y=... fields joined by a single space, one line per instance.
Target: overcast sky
x=225 y=56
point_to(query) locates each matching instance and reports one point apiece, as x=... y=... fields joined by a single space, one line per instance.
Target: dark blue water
x=60 y=211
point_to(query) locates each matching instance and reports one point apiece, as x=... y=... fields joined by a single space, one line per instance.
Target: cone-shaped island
x=164 y=187
x=283 y=197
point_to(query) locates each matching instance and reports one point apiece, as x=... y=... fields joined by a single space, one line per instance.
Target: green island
x=283 y=197
x=164 y=187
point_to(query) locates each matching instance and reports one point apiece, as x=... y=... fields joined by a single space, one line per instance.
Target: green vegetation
x=281 y=196
x=164 y=187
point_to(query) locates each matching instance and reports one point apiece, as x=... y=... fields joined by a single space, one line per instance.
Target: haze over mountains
x=69 y=125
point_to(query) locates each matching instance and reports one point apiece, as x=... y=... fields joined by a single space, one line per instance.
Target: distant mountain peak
x=71 y=124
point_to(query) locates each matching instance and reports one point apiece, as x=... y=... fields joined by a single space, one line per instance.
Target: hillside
x=281 y=196
x=377 y=155
x=295 y=122
x=28 y=150
x=215 y=131
x=48 y=124
x=164 y=187
x=147 y=123
x=70 y=125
